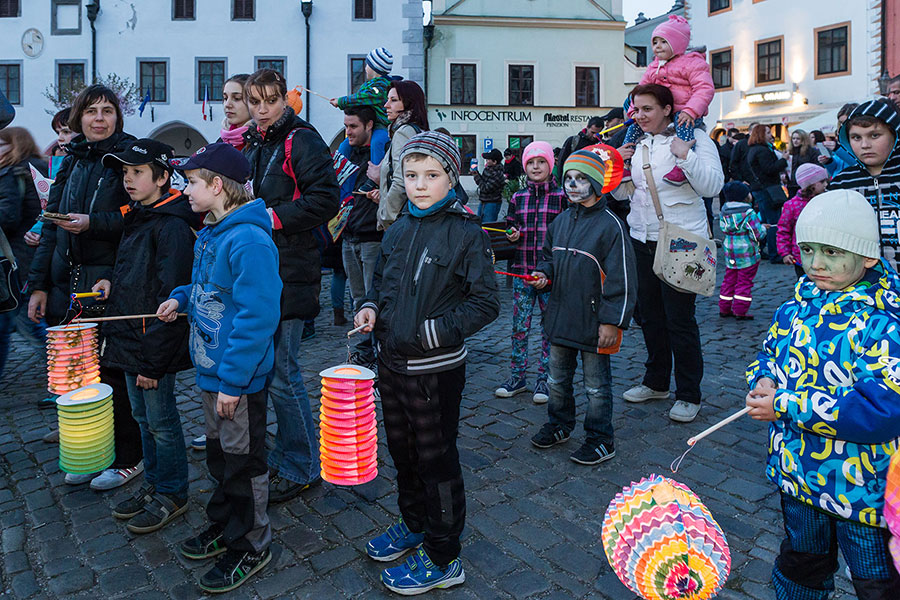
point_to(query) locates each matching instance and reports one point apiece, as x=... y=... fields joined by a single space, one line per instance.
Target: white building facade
x=178 y=49
x=503 y=74
x=786 y=63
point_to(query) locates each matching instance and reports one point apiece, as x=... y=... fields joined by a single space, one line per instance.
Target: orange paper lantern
x=348 y=434
x=72 y=357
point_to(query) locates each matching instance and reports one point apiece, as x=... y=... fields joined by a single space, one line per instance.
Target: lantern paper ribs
x=86 y=441
x=72 y=359
x=348 y=438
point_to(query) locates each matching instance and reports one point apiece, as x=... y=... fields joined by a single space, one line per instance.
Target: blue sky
x=650 y=8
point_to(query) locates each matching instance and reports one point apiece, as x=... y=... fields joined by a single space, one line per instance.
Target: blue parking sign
x=488 y=144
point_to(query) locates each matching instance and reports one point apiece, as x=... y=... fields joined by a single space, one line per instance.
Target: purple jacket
x=531 y=211
x=786 y=236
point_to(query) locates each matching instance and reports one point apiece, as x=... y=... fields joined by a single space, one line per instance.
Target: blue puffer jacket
x=233 y=301
x=835 y=359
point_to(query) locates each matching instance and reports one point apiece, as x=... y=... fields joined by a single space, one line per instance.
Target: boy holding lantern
x=434 y=286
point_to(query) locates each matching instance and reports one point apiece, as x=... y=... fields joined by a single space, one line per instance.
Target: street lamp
x=93 y=8
x=306 y=7
x=428 y=36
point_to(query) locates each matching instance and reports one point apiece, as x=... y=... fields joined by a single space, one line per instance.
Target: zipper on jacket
x=421 y=264
x=409 y=252
x=94 y=197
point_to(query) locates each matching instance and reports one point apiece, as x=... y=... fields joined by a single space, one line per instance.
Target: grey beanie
x=843 y=219
x=439 y=146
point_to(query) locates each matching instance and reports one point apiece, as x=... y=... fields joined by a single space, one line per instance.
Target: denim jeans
x=770 y=210
x=338 y=289
x=489 y=211
x=598 y=427
x=360 y=259
x=165 y=458
x=296 y=454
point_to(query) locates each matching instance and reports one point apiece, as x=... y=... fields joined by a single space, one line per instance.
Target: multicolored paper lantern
x=612 y=160
x=86 y=439
x=72 y=357
x=348 y=434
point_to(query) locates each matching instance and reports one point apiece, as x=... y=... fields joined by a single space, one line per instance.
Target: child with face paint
x=530 y=213
x=828 y=382
x=588 y=263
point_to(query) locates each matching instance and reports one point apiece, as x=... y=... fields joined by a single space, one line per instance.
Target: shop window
x=521 y=85
x=463 y=79
x=769 y=61
x=720 y=61
x=719 y=6
x=276 y=64
x=153 y=80
x=242 y=10
x=587 y=86
x=69 y=79
x=210 y=79
x=183 y=9
x=364 y=10
x=357 y=73
x=9 y=8
x=11 y=82
x=833 y=50
x=468 y=146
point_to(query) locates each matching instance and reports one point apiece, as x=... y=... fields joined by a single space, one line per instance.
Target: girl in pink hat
x=686 y=74
x=813 y=180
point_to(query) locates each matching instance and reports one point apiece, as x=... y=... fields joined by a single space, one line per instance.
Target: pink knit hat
x=676 y=31
x=538 y=150
x=810 y=173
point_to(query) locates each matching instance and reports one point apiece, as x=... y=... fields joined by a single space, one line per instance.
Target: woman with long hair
x=237 y=115
x=77 y=251
x=668 y=322
x=19 y=209
x=766 y=168
x=802 y=151
x=408 y=115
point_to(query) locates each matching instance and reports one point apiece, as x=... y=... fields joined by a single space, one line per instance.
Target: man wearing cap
x=586 y=137
x=490 y=186
x=615 y=118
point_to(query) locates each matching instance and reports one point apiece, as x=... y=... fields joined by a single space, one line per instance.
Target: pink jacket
x=786 y=238
x=688 y=76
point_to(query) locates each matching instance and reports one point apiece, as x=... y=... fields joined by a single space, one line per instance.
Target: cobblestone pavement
x=533 y=527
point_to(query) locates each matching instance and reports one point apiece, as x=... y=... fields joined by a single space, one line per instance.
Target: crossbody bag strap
x=7 y=250
x=651 y=183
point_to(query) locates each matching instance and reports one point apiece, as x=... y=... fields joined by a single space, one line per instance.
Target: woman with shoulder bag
x=667 y=314
x=766 y=188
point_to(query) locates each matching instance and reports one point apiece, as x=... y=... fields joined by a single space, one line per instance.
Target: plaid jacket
x=531 y=211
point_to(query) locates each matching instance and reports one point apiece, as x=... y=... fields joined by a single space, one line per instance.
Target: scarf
x=424 y=212
x=401 y=120
x=233 y=135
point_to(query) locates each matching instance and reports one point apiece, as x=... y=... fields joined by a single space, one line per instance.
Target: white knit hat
x=843 y=219
x=380 y=60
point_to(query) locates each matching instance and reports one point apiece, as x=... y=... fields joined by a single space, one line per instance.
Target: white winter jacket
x=681 y=205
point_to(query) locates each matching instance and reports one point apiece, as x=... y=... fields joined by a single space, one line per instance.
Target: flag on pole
x=205 y=100
x=144 y=103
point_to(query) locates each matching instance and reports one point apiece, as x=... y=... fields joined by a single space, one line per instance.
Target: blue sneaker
x=511 y=387
x=394 y=543
x=419 y=575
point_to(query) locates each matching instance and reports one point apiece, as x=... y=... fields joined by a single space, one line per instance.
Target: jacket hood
x=253 y=213
x=879 y=287
x=880 y=109
x=735 y=216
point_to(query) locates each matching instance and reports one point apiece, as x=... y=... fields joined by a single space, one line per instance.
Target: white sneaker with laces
x=684 y=412
x=113 y=478
x=641 y=393
x=79 y=478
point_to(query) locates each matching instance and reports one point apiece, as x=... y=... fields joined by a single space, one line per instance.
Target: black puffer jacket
x=155 y=257
x=434 y=286
x=20 y=207
x=299 y=208
x=362 y=223
x=765 y=166
x=589 y=259
x=83 y=185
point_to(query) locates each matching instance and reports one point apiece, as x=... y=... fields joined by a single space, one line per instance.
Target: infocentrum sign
x=513 y=116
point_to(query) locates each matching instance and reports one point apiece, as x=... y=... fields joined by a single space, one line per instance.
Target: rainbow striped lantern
x=72 y=357
x=86 y=442
x=348 y=439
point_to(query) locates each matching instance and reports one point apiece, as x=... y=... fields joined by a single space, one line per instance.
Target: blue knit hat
x=736 y=191
x=380 y=60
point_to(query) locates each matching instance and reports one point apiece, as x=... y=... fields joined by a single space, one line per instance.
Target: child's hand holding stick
x=761 y=400
x=364 y=321
x=538 y=280
x=168 y=310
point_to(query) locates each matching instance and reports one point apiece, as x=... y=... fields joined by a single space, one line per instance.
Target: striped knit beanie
x=590 y=164
x=380 y=60
x=439 y=146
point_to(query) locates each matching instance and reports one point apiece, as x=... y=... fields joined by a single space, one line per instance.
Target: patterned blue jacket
x=835 y=359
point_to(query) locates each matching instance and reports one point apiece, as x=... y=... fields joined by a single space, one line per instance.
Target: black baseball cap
x=141 y=152
x=493 y=155
x=615 y=113
x=221 y=158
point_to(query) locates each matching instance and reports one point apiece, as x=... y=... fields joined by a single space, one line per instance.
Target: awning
x=796 y=116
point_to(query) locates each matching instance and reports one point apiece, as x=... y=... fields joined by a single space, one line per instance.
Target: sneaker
x=157 y=513
x=593 y=454
x=131 y=507
x=309 y=331
x=206 y=545
x=113 y=478
x=282 y=490
x=394 y=543
x=684 y=412
x=199 y=443
x=641 y=393
x=675 y=176
x=512 y=387
x=233 y=570
x=52 y=437
x=79 y=478
x=541 y=392
x=549 y=436
x=419 y=575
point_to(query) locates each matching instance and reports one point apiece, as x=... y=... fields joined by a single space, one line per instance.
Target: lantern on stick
x=86 y=440
x=72 y=357
x=348 y=439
